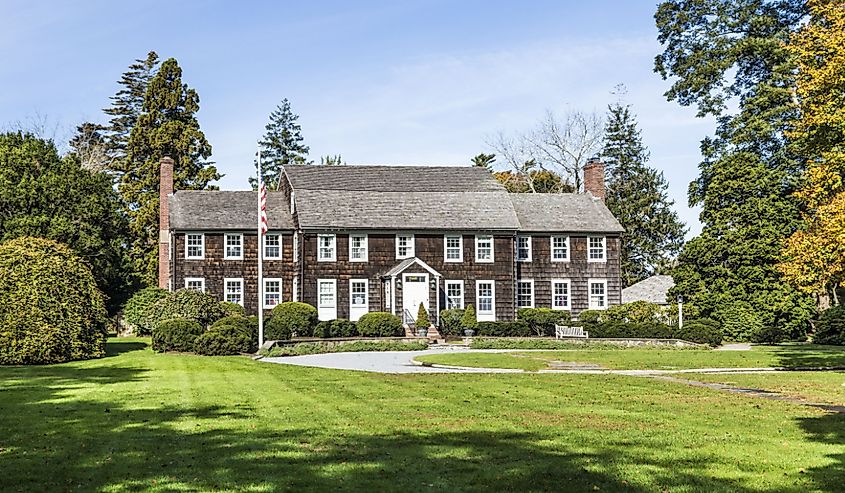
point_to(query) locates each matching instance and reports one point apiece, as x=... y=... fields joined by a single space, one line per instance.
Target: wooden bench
x=562 y=331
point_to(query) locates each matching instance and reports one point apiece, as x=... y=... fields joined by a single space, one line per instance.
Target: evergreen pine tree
x=636 y=195
x=281 y=145
x=127 y=104
x=167 y=126
x=485 y=161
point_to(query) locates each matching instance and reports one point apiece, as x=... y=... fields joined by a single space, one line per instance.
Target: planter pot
x=469 y=332
x=422 y=332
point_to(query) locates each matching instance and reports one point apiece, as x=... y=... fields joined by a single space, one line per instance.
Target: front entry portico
x=407 y=285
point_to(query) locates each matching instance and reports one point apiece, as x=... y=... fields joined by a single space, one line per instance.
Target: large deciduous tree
x=166 y=126
x=636 y=194
x=815 y=255
x=718 y=51
x=282 y=145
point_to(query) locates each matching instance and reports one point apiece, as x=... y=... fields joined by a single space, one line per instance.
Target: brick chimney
x=165 y=188
x=594 y=177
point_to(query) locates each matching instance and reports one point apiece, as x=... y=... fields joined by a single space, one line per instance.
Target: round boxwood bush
x=133 y=311
x=702 y=331
x=223 y=341
x=450 y=322
x=185 y=303
x=380 y=324
x=335 y=328
x=247 y=325
x=232 y=309
x=830 y=329
x=177 y=334
x=50 y=308
x=289 y=318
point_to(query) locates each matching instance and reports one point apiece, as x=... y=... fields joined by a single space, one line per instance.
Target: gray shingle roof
x=393 y=178
x=223 y=210
x=654 y=290
x=564 y=212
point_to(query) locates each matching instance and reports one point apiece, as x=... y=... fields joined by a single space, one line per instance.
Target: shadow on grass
x=116 y=347
x=810 y=356
x=828 y=429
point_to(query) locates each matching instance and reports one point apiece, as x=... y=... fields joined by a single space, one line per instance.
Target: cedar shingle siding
x=381 y=201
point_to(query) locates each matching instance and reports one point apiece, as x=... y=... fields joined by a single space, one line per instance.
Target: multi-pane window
x=560 y=248
x=272 y=292
x=596 y=249
x=454 y=248
x=234 y=246
x=523 y=248
x=404 y=246
x=358 y=292
x=233 y=291
x=357 y=248
x=598 y=294
x=195 y=283
x=483 y=248
x=326 y=248
x=195 y=245
x=272 y=246
x=525 y=294
x=560 y=295
x=327 y=292
x=326 y=299
x=454 y=294
x=485 y=294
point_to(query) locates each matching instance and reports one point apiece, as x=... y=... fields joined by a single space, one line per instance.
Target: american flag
x=263 y=206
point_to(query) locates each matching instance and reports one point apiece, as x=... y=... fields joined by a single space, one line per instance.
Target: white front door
x=414 y=291
x=326 y=299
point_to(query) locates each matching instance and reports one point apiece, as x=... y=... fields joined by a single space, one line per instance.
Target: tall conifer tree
x=636 y=194
x=128 y=103
x=282 y=145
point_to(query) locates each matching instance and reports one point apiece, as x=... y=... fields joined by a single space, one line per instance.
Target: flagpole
x=260 y=260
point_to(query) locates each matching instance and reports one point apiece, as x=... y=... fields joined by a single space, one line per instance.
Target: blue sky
x=415 y=82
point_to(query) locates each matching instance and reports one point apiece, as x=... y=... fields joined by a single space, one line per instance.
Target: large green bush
x=335 y=328
x=177 y=334
x=739 y=321
x=134 y=311
x=450 y=322
x=638 y=312
x=380 y=324
x=232 y=309
x=702 y=331
x=289 y=318
x=185 y=303
x=50 y=307
x=517 y=328
x=830 y=329
x=247 y=325
x=591 y=317
x=223 y=340
x=542 y=321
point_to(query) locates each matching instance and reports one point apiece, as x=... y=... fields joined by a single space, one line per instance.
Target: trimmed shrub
x=184 y=303
x=133 y=312
x=542 y=321
x=517 y=328
x=830 y=329
x=739 y=320
x=247 y=325
x=537 y=344
x=450 y=322
x=177 y=334
x=291 y=318
x=224 y=340
x=232 y=309
x=702 y=331
x=380 y=324
x=468 y=320
x=590 y=317
x=322 y=347
x=335 y=328
x=636 y=311
x=617 y=329
x=422 y=317
x=50 y=308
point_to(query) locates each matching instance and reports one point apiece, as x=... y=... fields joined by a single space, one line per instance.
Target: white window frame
x=485 y=316
x=454 y=283
x=366 y=305
x=320 y=305
x=552 y=248
x=492 y=249
x=365 y=247
x=265 y=292
x=281 y=246
x=530 y=241
x=530 y=282
x=240 y=238
x=320 y=257
x=240 y=281
x=202 y=246
x=603 y=249
x=412 y=247
x=446 y=248
x=568 y=305
x=201 y=280
x=590 y=304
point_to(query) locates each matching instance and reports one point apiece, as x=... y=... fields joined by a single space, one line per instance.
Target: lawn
x=139 y=421
x=820 y=387
x=790 y=356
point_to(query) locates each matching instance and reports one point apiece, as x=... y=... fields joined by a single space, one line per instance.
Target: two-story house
x=355 y=239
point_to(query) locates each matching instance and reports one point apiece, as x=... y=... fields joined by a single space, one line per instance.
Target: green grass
x=140 y=421
x=791 y=356
x=820 y=387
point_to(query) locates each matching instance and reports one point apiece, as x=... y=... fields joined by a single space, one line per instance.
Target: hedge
x=542 y=321
x=289 y=318
x=517 y=328
x=50 y=308
x=178 y=334
x=335 y=328
x=830 y=328
x=450 y=322
x=321 y=347
x=223 y=341
x=135 y=308
x=380 y=324
x=184 y=303
x=702 y=331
